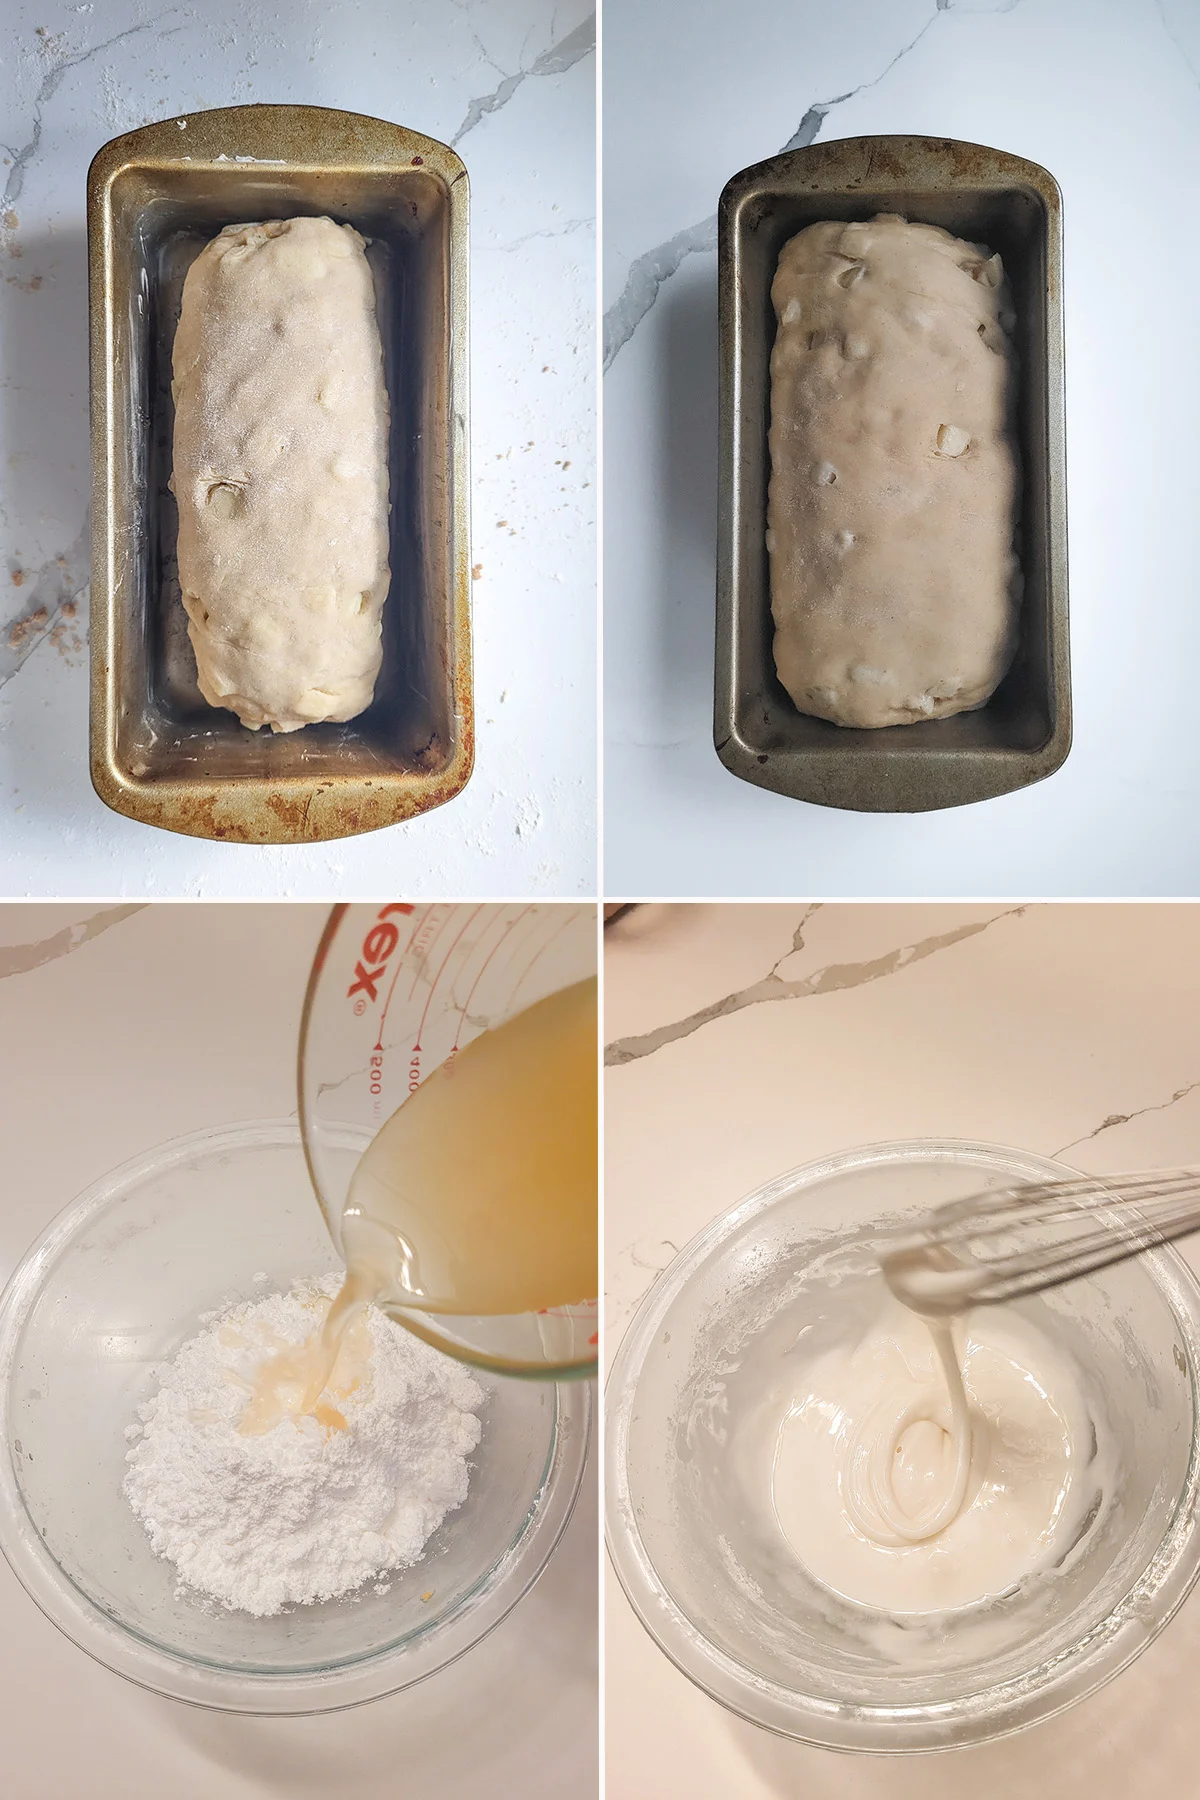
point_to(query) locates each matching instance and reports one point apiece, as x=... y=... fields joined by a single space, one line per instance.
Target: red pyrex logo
x=377 y=948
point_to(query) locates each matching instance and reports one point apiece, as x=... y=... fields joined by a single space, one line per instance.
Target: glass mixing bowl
x=395 y=990
x=112 y=1288
x=724 y=1597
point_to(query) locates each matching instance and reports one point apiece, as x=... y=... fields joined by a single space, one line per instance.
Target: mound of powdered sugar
x=298 y=1513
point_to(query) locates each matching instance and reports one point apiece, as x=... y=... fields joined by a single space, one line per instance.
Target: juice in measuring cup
x=478 y=1196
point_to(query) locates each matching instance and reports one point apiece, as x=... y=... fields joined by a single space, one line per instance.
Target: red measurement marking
x=572 y=914
x=491 y=955
x=474 y=914
x=426 y=948
x=417 y=924
x=511 y=951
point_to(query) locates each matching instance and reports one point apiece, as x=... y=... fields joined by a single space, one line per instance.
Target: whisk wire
x=1107 y=1220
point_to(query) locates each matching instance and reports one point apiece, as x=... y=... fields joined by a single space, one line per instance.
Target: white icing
x=906 y=1489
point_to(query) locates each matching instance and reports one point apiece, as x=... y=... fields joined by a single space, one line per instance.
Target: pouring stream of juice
x=478 y=1196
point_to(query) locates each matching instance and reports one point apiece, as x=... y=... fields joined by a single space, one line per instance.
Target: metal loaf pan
x=1024 y=732
x=158 y=752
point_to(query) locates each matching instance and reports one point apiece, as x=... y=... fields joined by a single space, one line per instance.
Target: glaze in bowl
x=706 y=1567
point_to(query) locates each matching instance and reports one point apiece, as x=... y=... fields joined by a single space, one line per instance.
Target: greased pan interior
x=1024 y=732
x=159 y=753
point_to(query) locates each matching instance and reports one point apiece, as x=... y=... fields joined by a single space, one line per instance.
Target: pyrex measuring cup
x=395 y=990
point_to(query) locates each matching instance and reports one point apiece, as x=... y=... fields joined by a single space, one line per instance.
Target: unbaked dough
x=280 y=472
x=894 y=473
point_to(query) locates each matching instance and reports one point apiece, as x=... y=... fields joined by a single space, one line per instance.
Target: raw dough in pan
x=280 y=472
x=894 y=473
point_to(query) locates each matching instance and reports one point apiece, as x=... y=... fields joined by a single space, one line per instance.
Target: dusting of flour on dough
x=299 y=1513
x=280 y=472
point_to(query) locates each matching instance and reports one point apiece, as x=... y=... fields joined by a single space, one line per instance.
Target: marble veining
x=648 y=272
x=19 y=959
x=1139 y=1112
x=73 y=76
x=1057 y=1027
x=773 y=986
x=59 y=66
x=1181 y=22
x=59 y=587
x=560 y=57
x=1051 y=80
x=179 y=1019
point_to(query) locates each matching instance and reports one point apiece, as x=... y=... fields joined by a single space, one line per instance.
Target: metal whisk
x=1000 y=1245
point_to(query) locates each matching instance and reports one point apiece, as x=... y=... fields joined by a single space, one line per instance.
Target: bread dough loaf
x=280 y=472
x=894 y=475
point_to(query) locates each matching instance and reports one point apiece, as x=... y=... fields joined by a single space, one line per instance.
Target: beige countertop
x=122 y=1026
x=744 y=1041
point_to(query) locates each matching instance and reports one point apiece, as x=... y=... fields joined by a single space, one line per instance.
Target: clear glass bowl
x=738 y=1615
x=112 y=1288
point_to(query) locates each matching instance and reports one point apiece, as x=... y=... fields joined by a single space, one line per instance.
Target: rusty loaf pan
x=158 y=752
x=1024 y=732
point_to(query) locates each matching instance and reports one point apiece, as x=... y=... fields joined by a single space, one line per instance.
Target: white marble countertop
x=1107 y=97
x=757 y=1038
x=511 y=84
x=121 y=1027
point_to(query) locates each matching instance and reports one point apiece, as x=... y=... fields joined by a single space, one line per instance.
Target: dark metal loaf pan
x=158 y=752
x=1024 y=732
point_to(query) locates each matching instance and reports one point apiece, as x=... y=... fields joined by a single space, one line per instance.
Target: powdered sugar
x=299 y=1513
